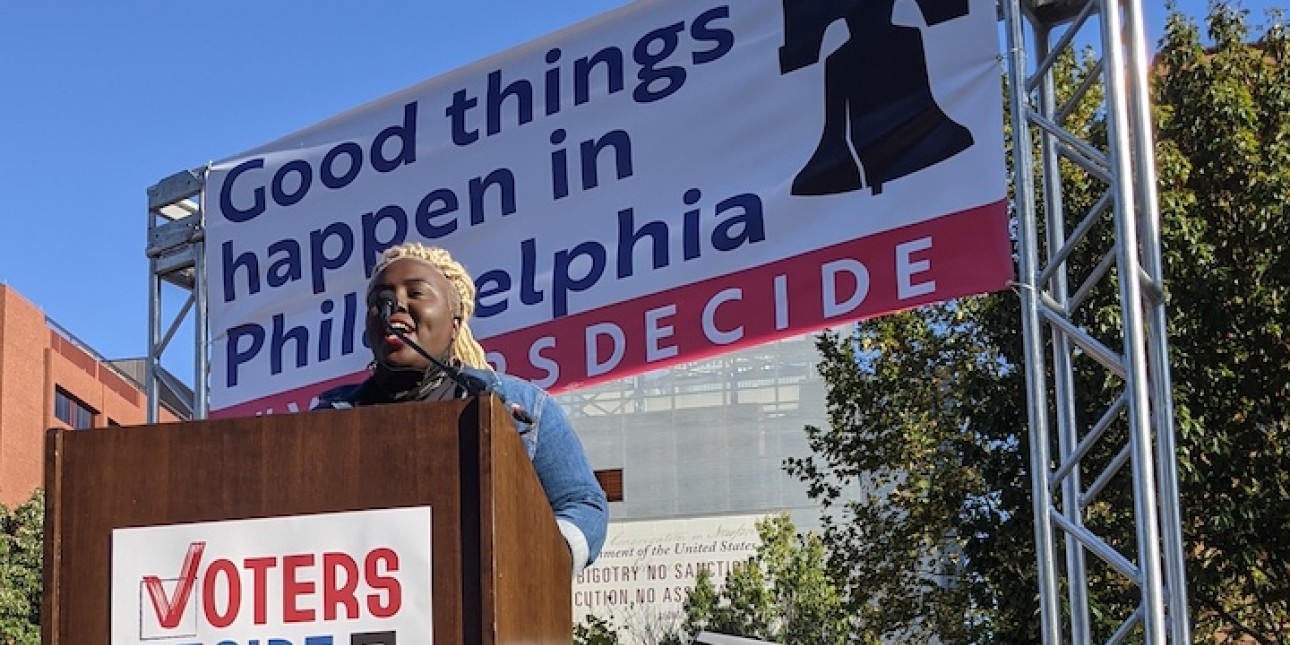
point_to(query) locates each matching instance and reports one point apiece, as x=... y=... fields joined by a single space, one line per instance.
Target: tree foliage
x=782 y=594
x=595 y=630
x=927 y=410
x=21 y=555
x=915 y=477
x=1225 y=160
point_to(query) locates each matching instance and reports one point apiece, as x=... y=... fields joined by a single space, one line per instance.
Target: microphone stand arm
x=473 y=387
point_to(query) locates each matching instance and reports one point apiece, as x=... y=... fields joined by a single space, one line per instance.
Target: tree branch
x=1235 y=622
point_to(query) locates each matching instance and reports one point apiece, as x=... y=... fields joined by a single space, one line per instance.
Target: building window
x=71 y=411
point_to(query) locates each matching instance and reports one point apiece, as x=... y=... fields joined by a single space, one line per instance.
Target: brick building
x=50 y=379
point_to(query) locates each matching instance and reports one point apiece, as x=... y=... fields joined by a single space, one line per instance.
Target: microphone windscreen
x=386 y=303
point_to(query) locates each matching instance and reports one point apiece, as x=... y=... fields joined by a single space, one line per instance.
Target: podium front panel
x=271 y=466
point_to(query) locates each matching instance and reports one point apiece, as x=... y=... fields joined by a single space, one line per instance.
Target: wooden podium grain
x=501 y=568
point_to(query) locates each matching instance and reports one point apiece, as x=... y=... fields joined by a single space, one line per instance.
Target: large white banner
x=647 y=568
x=353 y=577
x=668 y=181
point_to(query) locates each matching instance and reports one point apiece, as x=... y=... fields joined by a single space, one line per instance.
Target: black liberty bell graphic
x=877 y=97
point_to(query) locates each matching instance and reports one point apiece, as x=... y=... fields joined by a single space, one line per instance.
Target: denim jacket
x=579 y=503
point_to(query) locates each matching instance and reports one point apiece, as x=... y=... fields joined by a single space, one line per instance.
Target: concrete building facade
x=710 y=437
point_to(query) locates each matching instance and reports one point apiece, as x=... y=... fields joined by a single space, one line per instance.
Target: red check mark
x=169 y=610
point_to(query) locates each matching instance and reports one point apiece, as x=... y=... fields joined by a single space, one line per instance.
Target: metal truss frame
x=176 y=247
x=1132 y=263
x=769 y=375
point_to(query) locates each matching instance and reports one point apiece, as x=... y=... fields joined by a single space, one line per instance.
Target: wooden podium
x=501 y=568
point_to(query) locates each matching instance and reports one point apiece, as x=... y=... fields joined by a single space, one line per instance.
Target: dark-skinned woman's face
x=427 y=312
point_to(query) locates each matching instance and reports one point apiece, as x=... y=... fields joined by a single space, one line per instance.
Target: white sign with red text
x=669 y=181
x=359 y=577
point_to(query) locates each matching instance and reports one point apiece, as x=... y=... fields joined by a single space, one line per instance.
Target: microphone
x=387 y=303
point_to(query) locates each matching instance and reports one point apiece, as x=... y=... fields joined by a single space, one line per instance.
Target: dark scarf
x=396 y=386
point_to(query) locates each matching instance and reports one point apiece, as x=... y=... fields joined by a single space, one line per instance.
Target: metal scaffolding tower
x=1131 y=261
x=176 y=249
x=1037 y=32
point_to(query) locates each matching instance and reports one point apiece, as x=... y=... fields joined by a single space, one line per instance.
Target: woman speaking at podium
x=419 y=305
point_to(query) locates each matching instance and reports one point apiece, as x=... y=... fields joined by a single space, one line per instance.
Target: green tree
x=1225 y=159
x=595 y=630
x=21 y=554
x=914 y=478
x=927 y=408
x=782 y=594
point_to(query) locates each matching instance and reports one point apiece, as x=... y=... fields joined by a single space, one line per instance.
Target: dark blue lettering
x=552 y=83
x=246 y=260
x=287 y=268
x=350 y=322
x=328 y=171
x=319 y=260
x=529 y=293
x=491 y=283
x=427 y=211
x=740 y=221
x=753 y=224
x=461 y=103
x=690 y=232
x=298 y=334
x=673 y=75
x=299 y=166
x=521 y=90
x=612 y=59
x=234 y=356
x=629 y=235
x=372 y=247
x=407 y=135
x=562 y=282
x=590 y=152
x=504 y=179
x=723 y=39
x=559 y=166
x=324 y=331
x=226 y=207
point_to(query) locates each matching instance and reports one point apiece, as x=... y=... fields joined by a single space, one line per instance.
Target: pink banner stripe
x=949 y=257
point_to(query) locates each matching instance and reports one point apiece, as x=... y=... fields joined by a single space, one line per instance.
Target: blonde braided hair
x=464 y=346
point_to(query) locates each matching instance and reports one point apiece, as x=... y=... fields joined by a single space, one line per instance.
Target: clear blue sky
x=99 y=100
